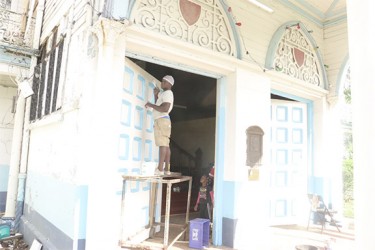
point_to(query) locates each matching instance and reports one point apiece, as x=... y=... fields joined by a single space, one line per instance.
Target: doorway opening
x=193 y=129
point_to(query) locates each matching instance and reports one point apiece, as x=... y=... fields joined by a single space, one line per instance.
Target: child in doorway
x=204 y=200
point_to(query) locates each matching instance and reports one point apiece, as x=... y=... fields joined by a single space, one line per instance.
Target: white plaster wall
x=6 y=123
x=248 y=104
x=105 y=182
x=6 y=134
x=252 y=103
x=320 y=148
x=230 y=104
x=327 y=153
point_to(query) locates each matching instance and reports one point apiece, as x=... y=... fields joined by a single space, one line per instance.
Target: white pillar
x=10 y=209
x=106 y=107
x=361 y=22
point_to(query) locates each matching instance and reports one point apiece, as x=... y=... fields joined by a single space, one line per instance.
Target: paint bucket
x=4 y=231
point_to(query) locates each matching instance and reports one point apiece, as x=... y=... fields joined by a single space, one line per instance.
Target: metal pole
x=152 y=208
x=167 y=212
x=122 y=210
x=10 y=209
x=188 y=204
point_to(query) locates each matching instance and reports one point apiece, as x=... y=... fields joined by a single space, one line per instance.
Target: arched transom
x=199 y=22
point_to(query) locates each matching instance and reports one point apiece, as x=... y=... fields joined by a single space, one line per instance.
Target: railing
x=12 y=29
x=185 y=162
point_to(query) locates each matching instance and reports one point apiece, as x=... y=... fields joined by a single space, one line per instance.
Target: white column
x=361 y=22
x=105 y=105
x=10 y=210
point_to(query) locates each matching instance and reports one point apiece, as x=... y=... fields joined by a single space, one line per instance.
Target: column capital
x=109 y=30
x=332 y=100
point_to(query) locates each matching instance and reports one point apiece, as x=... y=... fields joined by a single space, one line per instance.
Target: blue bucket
x=4 y=231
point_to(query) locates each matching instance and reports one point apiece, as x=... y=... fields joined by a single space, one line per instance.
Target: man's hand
x=148 y=105
x=156 y=91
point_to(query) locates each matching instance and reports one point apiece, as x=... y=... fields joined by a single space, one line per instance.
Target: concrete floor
x=276 y=238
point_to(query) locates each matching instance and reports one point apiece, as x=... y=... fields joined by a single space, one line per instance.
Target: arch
x=342 y=75
x=320 y=77
x=187 y=21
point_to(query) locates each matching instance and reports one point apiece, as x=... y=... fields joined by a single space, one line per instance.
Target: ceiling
x=321 y=12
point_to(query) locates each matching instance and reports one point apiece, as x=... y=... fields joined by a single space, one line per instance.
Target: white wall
x=6 y=122
x=248 y=104
x=6 y=134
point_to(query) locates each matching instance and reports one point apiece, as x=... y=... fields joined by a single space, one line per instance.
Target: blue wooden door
x=137 y=149
x=289 y=149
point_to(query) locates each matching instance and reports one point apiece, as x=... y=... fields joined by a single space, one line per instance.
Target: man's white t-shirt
x=163 y=96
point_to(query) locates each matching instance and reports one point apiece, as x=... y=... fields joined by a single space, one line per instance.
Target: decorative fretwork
x=5 y=4
x=200 y=22
x=296 y=57
x=12 y=28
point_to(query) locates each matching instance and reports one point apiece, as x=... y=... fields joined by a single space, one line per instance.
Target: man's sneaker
x=158 y=172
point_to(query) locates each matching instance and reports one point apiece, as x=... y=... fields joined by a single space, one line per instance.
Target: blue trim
x=141 y=88
x=124 y=140
x=13 y=59
x=231 y=189
x=281 y=157
x=312 y=8
x=126 y=109
x=137 y=140
x=130 y=72
x=335 y=21
x=150 y=129
x=283 y=131
x=62 y=196
x=235 y=30
x=148 y=145
x=140 y=111
x=329 y=12
x=298 y=139
x=300 y=117
x=219 y=163
x=278 y=35
x=131 y=6
x=282 y=108
x=283 y=205
x=341 y=75
x=81 y=195
x=135 y=171
x=151 y=89
x=302 y=12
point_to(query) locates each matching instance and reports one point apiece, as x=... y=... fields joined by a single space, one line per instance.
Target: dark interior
x=195 y=95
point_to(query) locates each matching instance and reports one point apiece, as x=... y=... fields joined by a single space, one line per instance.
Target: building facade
x=267 y=80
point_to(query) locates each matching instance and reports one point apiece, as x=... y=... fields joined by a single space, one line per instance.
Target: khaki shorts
x=162 y=131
